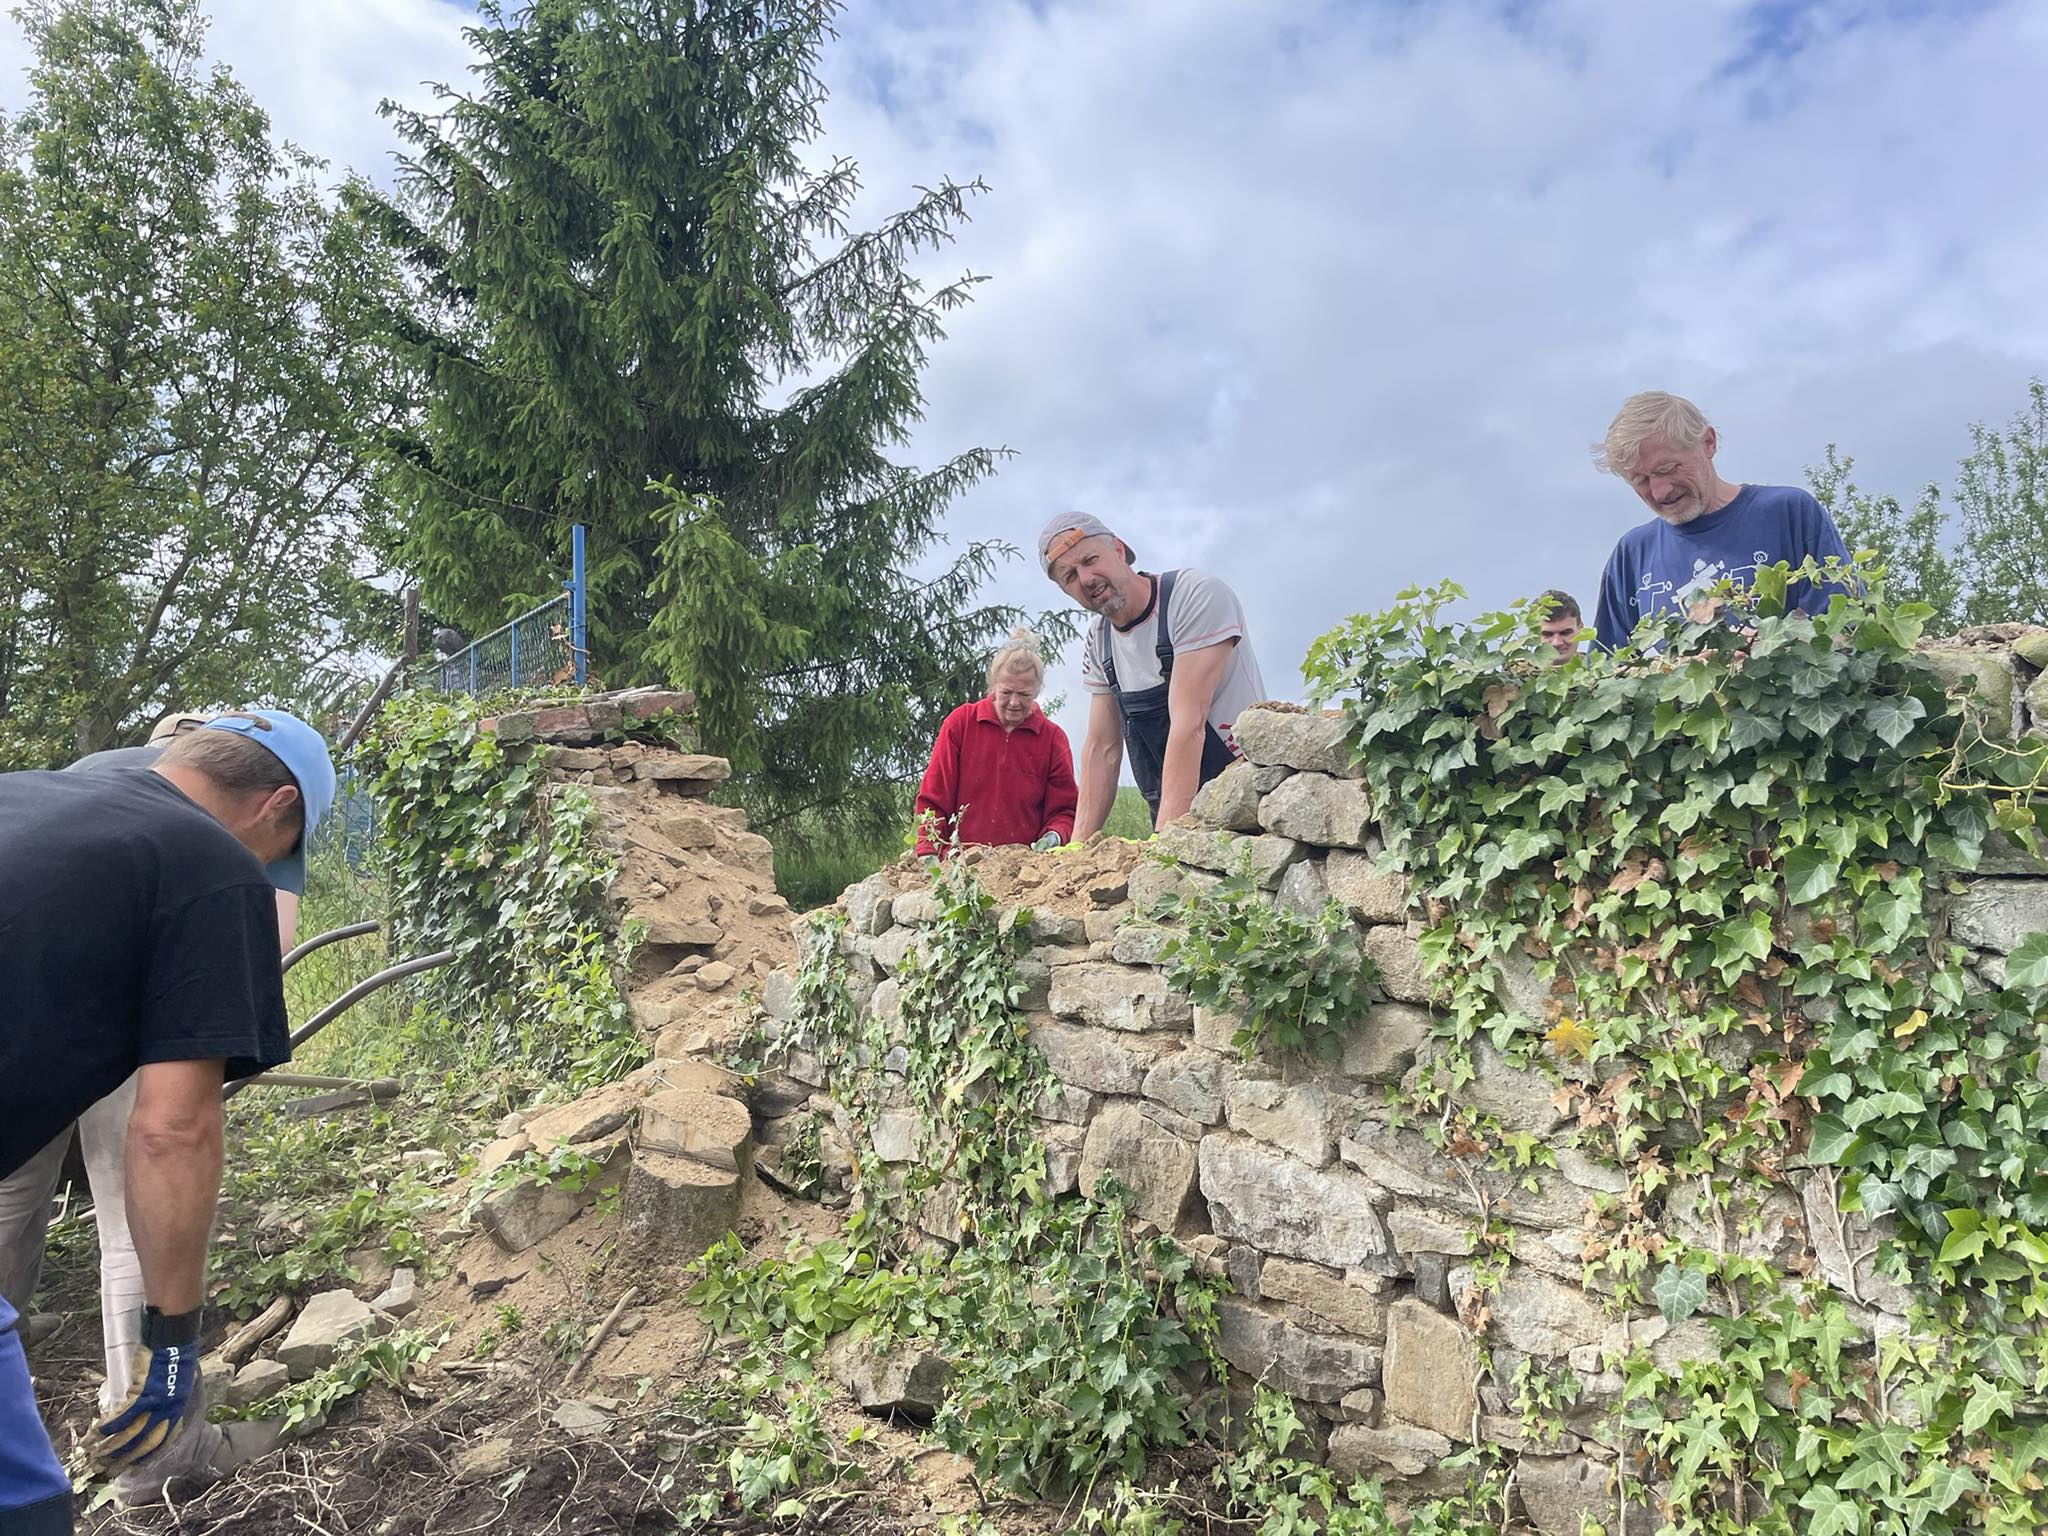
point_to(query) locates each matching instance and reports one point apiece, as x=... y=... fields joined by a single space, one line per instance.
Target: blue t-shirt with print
x=1661 y=567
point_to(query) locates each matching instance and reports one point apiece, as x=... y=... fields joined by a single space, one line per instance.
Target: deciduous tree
x=185 y=380
x=1978 y=554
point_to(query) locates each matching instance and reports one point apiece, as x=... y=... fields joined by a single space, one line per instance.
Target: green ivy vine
x=491 y=859
x=1703 y=880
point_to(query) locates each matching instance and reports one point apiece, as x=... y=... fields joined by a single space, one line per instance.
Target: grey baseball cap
x=1068 y=529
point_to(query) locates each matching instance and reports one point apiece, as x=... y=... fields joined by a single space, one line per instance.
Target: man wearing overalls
x=1168 y=664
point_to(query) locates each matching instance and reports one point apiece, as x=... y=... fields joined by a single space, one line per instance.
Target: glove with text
x=166 y=1386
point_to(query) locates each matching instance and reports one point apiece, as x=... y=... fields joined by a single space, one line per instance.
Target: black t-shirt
x=133 y=929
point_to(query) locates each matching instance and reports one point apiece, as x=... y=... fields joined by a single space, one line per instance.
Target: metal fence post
x=578 y=612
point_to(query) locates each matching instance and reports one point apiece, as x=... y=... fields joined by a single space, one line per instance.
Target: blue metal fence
x=544 y=647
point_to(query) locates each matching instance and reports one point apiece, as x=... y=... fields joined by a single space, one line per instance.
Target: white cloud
x=1332 y=297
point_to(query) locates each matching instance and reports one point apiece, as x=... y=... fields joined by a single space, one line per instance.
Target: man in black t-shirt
x=137 y=931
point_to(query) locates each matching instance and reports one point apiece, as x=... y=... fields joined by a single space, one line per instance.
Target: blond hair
x=1014 y=655
x=1650 y=414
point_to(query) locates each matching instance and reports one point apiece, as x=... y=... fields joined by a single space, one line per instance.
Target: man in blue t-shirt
x=1706 y=530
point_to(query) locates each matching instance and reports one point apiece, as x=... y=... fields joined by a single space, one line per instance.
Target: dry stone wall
x=1348 y=1239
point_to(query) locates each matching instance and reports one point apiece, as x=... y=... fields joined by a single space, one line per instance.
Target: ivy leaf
x=1893 y=718
x=1833 y=1515
x=2027 y=966
x=1679 y=1292
x=1831 y=1138
x=1809 y=874
x=1951 y=1481
x=1570 y=1038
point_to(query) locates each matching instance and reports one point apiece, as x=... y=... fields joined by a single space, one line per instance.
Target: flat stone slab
x=693 y=1123
x=327 y=1323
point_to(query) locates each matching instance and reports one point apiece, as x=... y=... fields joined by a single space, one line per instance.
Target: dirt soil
x=472 y=1446
x=1073 y=881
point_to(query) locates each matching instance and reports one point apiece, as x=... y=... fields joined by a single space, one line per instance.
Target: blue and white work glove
x=166 y=1385
x=1048 y=840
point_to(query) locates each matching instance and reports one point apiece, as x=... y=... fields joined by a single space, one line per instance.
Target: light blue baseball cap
x=301 y=749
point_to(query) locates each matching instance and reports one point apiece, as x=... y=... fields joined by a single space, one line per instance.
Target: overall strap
x=1108 y=654
x=1163 y=642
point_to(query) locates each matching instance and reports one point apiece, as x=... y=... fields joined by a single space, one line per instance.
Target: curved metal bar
x=349 y=999
x=321 y=940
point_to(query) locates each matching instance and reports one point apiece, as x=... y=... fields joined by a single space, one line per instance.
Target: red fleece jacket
x=1004 y=787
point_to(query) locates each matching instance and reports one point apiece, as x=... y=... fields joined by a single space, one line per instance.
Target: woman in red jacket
x=1000 y=771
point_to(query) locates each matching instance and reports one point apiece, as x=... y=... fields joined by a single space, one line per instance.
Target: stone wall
x=1346 y=1237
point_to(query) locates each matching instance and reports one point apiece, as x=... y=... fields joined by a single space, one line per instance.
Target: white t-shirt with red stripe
x=1204 y=612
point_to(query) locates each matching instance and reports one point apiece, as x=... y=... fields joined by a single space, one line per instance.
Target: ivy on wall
x=491 y=859
x=1702 y=880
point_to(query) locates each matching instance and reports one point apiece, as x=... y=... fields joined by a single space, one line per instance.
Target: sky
x=1332 y=299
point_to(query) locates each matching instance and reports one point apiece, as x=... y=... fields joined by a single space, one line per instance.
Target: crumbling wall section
x=1347 y=1234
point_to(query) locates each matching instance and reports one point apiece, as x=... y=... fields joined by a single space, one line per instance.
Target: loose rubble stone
x=1521 y=1098
x=651 y=703
x=1263 y=1197
x=1997 y=914
x=1983 y=678
x=580 y=1420
x=1357 y=1450
x=488 y=1460
x=1383 y=1045
x=1104 y=1060
x=1319 y=1367
x=1302 y=889
x=399 y=1298
x=766 y=906
x=1312 y=743
x=715 y=975
x=1559 y=1492
x=1352 y=878
x=257 y=1382
x=1152 y=882
x=868 y=906
x=527 y=1213
x=1432 y=1369
x=895 y=1135
x=1059 y=927
x=678 y=1206
x=778 y=996
x=1343 y=1304
x=1063 y=1146
x=1219 y=852
x=1065 y=1103
x=1230 y=801
x=1320 y=809
x=1413 y=1231
x=1538 y=1315
x=1835 y=1235
x=1394 y=951
x=1117 y=997
x=1300 y=1120
x=503 y=1151
x=692 y=1123
x=905 y=1378
x=1216 y=1030
x=1189 y=1083
x=916 y=909
x=1360 y=1407
x=691 y=766
x=666 y=927
x=324 y=1325
x=575 y=759
x=1138 y=944
x=590 y=1118
x=891 y=948
x=671 y=1069
x=1156 y=1166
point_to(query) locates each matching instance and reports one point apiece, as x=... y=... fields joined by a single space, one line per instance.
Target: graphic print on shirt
x=1706 y=575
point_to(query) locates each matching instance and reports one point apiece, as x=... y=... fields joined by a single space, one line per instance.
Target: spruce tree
x=639 y=307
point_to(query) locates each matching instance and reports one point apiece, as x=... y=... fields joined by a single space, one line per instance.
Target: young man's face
x=1675 y=483
x=1093 y=573
x=1561 y=634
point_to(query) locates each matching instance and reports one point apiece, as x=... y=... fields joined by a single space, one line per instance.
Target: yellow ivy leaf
x=1570 y=1038
x=1911 y=1025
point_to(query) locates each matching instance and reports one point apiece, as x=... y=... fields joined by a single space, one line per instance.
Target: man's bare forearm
x=1098 y=792
x=173 y=1172
x=1179 y=772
